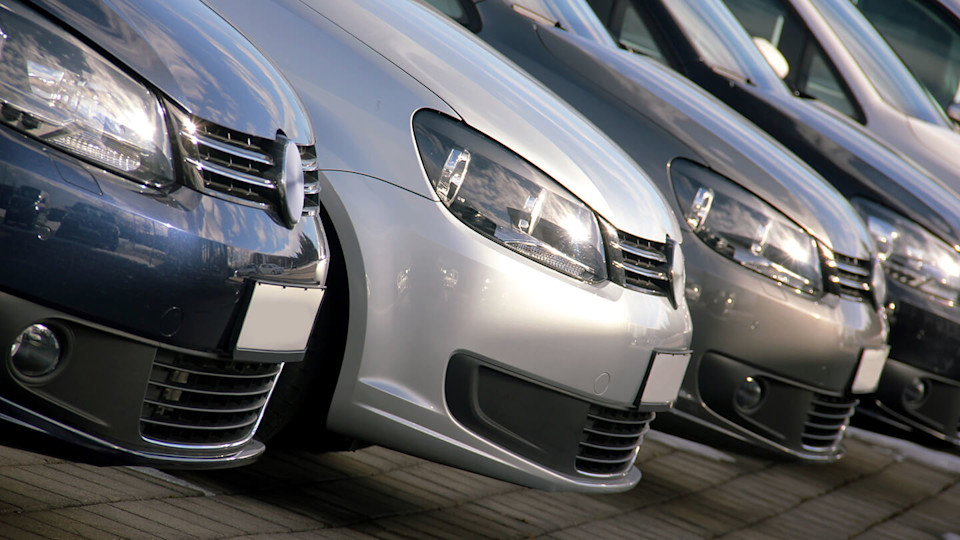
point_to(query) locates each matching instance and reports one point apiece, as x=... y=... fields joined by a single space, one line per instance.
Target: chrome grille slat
x=848 y=277
x=646 y=265
x=207 y=165
x=241 y=168
x=641 y=252
x=239 y=151
x=171 y=405
x=204 y=403
x=188 y=388
x=610 y=441
x=852 y=268
x=645 y=272
x=222 y=427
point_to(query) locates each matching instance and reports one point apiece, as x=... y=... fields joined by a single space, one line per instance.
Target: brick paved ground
x=880 y=490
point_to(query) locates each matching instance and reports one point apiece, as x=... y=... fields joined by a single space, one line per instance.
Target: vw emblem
x=291 y=184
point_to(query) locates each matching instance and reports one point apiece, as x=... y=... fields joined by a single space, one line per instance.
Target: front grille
x=646 y=265
x=611 y=440
x=203 y=402
x=848 y=277
x=827 y=420
x=242 y=168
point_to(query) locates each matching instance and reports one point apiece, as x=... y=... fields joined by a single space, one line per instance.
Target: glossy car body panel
x=195 y=58
x=425 y=288
x=658 y=118
x=129 y=277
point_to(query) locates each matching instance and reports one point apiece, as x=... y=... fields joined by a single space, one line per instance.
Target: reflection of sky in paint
x=223 y=76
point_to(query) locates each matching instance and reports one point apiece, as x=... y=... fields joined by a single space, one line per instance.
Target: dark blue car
x=162 y=257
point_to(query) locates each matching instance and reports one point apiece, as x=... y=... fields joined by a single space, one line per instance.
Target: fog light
x=749 y=394
x=915 y=392
x=36 y=351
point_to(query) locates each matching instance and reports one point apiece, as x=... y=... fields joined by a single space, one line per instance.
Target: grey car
x=914 y=218
x=834 y=55
x=781 y=272
x=514 y=281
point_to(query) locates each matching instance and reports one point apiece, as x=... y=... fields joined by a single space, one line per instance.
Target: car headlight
x=57 y=89
x=910 y=254
x=505 y=198
x=745 y=229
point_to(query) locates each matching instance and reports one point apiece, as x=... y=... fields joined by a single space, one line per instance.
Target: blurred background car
x=149 y=152
x=926 y=36
x=781 y=273
x=836 y=57
x=514 y=281
x=913 y=217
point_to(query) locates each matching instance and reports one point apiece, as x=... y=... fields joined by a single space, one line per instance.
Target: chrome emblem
x=291 y=184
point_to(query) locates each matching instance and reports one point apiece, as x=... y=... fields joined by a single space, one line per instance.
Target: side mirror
x=953 y=111
x=773 y=56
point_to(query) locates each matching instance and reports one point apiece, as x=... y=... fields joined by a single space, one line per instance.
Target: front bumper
x=805 y=354
x=433 y=291
x=924 y=350
x=155 y=298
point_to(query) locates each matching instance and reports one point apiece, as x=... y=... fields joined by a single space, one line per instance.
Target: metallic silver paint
x=423 y=286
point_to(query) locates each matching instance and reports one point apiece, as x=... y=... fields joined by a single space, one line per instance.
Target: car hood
x=721 y=138
x=883 y=175
x=194 y=57
x=491 y=95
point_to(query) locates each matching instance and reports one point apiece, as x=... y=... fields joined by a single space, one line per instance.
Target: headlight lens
x=911 y=255
x=743 y=228
x=502 y=196
x=55 y=88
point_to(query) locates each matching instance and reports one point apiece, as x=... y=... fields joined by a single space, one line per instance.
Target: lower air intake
x=611 y=440
x=826 y=422
x=203 y=402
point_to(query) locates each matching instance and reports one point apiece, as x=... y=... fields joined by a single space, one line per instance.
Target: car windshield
x=722 y=41
x=893 y=81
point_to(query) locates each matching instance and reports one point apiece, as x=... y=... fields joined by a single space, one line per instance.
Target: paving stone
x=143 y=527
x=361 y=499
x=88 y=524
x=35 y=525
x=13 y=457
x=895 y=531
x=283 y=515
x=478 y=525
x=27 y=497
x=415 y=526
x=216 y=509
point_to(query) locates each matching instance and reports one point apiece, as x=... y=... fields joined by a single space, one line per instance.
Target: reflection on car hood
x=491 y=95
x=721 y=138
x=196 y=58
x=886 y=177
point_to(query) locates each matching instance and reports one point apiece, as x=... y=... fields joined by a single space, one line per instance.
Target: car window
x=462 y=11
x=811 y=73
x=926 y=40
x=635 y=34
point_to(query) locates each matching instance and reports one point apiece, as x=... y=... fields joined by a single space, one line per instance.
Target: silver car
x=780 y=269
x=515 y=282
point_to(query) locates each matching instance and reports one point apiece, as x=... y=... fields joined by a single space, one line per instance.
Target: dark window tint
x=811 y=73
x=925 y=38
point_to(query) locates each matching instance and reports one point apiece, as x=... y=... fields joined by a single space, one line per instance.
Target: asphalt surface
x=884 y=488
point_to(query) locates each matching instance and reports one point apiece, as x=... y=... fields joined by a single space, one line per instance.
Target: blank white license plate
x=279 y=318
x=869 y=371
x=666 y=375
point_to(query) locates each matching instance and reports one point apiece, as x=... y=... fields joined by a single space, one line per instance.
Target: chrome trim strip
x=646 y=272
x=228 y=148
x=643 y=252
x=236 y=175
